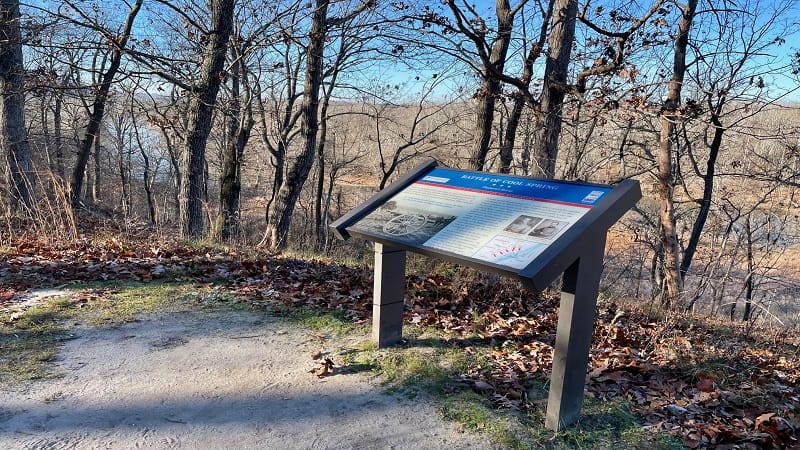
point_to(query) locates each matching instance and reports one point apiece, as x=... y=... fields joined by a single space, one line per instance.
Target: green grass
x=603 y=425
x=322 y=319
x=29 y=342
x=115 y=304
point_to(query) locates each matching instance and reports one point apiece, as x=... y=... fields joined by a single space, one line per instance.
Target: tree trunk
x=562 y=35
x=242 y=120
x=147 y=178
x=520 y=100
x=148 y=186
x=13 y=135
x=201 y=110
x=665 y=183
x=507 y=148
x=748 y=281
x=319 y=218
x=668 y=233
x=124 y=163
x=98 y=108
x=320 y=229
x=705 y=203
x=57 y=134
x=281 y=209
x=175 y=172
x=286 y=133
x=279 y=164
x=326 y=235
x=490 y=88
x=487 y=96
x=94 y=192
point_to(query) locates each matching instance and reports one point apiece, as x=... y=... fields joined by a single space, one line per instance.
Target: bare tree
x=117 y=44
x=240 y=121
x=282 y=208
x=168 y=116
x=147 y=170
x=405 y=132
x=729 y=74
x=277 y=101
x=249 y=49
x=559 y=44
x=520 y=100
x=670 y=116
x=201 y=109
x=493 y=57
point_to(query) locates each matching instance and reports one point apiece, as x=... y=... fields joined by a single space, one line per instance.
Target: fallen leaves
x=324 y=370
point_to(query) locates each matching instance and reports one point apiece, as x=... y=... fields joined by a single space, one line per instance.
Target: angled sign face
x=500 y=220
x=516 y=226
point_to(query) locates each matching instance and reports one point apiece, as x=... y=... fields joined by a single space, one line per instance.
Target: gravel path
x=231 y=380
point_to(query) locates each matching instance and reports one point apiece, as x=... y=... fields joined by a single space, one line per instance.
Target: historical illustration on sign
x=410 y=226
x=497 y=219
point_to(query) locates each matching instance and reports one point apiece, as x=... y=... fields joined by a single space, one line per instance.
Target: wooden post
x=574 y=335
x=389 y=292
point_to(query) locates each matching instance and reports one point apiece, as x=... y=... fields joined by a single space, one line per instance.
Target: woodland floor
x=707 y=383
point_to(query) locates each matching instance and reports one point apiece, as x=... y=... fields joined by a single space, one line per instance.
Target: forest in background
x=259 y=122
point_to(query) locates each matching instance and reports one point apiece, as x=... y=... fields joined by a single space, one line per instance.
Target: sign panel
x=497 y=219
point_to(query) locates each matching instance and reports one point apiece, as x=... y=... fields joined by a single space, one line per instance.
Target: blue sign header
x=577 y=194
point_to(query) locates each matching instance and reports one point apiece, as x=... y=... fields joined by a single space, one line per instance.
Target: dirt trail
x=230 y=380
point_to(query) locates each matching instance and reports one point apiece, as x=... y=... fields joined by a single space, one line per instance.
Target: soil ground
x=207 y=380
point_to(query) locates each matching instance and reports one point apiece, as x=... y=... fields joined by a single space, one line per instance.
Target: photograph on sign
x=493 y=218
x=523 y=224
x=547 y=229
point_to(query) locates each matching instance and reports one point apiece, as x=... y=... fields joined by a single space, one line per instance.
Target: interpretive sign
x=492 y=219
x=530 y=229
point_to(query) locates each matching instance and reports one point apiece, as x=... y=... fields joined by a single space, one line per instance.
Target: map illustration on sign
x=498 y=219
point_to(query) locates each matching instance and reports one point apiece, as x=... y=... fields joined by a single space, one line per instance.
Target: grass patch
x=413 y=369
x=606 y=424
x=603 y=425
x=29 y=342
x=330 y=320
x=360 y=358
x=118 y=304
x=476 y=414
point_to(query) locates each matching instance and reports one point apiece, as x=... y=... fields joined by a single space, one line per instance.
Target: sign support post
x=389 y=292
x=573 y=336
